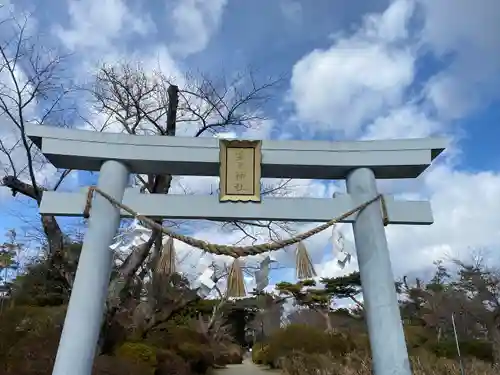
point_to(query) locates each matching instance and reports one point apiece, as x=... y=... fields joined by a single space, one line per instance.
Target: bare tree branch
x=31 y=91
x=142 y=103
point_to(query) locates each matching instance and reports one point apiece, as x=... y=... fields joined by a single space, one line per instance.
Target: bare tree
x=136 y=102
x=431 y=304
x=268 y=316
x=480 y=285
x=32 y=90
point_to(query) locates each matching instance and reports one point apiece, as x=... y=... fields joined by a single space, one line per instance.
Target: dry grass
x=315 y=364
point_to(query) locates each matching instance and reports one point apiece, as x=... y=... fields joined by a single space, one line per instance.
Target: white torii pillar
x=383 y=317
x=84 y=315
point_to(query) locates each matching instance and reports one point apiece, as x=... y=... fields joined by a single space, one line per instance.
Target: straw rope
x=305 y=268
x=166 y=263
x=233 y=251
x=235 y=281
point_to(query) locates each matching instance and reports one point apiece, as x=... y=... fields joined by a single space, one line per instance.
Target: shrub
x=170 y=336
x=474 y=348
x=199 y=350
x=169 y=363
x=313 y=364
x=108 y=365
x=197 y=356
x=416 y=336
x=23 y=321
x=138 y=353
x=230 y=354
x=40 y=286
x=29 y=337
x=190 y=345
x=305 y=339
x=443 y=366
x=259 y=353
x=309 y=364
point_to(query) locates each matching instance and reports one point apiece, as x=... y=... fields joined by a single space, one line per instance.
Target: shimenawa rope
x=233 y=251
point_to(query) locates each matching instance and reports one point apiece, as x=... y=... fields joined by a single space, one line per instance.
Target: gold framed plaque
x=240 y=170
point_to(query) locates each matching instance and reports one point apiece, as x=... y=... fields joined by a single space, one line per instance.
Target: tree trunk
x=55 y=236
x=162 y=316
x=328 y=321
x=57 y=256
x=117 y=292
x=157 y=184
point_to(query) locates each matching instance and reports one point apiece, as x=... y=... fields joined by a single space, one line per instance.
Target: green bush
x=299 y=363
x=416 y=336
x=305 y=339
x=169 y=336
x=474 y=348
x=108 y=365
x=229 y=354
x=170 y=363
x=29 y=338
x=189 y=344
x=259 y=352
x=314 y=364
x=138 y=353
x=199 y=357
x=197 y=349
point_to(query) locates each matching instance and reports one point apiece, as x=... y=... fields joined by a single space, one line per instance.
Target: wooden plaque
x=240 y=171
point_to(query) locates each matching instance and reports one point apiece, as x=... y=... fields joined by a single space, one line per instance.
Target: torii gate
x=116 y=156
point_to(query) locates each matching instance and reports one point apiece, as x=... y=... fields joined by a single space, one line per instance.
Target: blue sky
x=375 y=69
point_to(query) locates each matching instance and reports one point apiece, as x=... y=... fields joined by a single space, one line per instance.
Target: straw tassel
x=166 y=263
x=305 y=268
x=235 y=281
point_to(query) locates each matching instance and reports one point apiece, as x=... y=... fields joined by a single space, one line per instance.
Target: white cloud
x=194 y=22
x=97 y=33
x=465 y=211
x=406 y=121
x=342 y=87
x=391 y=25
x=473 y=25
x=96 y=24
x=368 y=74
x=469 y=39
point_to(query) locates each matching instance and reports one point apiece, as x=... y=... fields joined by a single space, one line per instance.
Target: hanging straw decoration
x=305 y=268
x=166 y=263
x=235 y=281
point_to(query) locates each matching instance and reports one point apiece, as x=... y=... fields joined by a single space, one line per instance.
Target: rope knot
x=88 y=202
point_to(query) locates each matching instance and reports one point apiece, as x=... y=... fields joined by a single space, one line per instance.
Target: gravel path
x=247 y=368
